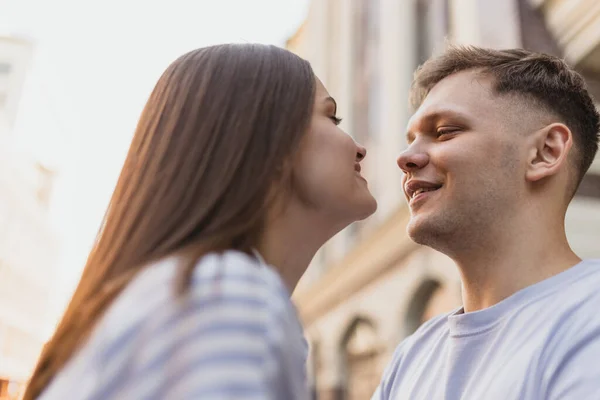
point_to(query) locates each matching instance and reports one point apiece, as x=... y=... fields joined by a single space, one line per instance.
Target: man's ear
x=549 y=151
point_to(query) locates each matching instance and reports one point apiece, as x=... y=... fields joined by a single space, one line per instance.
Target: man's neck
x=501 y=265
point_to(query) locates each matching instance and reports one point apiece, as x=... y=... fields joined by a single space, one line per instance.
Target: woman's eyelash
x=336 y=120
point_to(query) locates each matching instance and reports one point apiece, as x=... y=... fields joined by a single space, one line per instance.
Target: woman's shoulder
x=226 y=289
x=230 y=277
x=236 y=273
x=237 y=266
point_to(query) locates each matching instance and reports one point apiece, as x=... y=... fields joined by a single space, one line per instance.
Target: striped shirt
x=235 y=336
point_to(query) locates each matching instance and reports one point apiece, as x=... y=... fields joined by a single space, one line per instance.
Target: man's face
x=464 y=166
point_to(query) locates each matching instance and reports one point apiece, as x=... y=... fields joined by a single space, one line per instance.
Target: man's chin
x=421 y=230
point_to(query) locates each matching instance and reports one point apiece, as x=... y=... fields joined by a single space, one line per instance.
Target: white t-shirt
x=542 y=343
x=236 y=336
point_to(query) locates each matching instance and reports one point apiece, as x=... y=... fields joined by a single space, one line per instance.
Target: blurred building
x=371 y=286
x=28 y=247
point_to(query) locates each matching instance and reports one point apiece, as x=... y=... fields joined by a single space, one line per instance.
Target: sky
x=94 y=66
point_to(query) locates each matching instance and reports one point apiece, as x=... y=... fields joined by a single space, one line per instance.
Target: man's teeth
x=421 y=190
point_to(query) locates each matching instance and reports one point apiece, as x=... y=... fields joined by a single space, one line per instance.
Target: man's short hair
x=546 y=81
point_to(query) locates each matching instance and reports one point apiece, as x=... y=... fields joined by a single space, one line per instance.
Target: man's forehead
x=436 y=111
x=462 y=85
x=462 y=93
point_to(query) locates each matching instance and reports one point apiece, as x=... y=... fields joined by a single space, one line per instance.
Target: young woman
x=236 y=176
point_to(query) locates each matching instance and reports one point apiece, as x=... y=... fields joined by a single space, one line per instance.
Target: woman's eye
x=336 y=120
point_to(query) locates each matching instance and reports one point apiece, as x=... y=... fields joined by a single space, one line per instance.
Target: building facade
x=28 y=246
x=371 y=286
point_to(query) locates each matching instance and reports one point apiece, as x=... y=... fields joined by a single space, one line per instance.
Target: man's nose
x=412 y=159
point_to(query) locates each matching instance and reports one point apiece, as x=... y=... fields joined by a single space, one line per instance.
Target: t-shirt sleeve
x=577 y=375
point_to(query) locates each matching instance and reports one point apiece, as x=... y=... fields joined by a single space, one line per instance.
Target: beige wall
x=328 y=37
x=380 y=280
x=485 y=23
x=583 y=227
x=385 y=303
x=576 y=26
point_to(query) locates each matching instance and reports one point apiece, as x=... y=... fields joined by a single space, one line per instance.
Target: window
x=314 y=367
x=10 y=390
x=431 y=298
x=366 y=79
x=366 y=91
x=432 y=27
x=333 y=77
x=419 y=308
x=361 y=347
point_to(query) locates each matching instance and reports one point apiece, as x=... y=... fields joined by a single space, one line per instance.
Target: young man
x=498 y=145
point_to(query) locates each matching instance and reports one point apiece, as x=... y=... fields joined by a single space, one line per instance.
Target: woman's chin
x=367 y=207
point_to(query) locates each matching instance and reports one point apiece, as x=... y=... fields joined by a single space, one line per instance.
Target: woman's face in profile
x=327 y=169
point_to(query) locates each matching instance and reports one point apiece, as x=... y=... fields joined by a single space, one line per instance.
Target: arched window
x=314 y=366
x=430 y=299
x=361 y=349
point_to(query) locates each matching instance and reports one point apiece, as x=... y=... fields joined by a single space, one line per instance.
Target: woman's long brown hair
x=215 y=134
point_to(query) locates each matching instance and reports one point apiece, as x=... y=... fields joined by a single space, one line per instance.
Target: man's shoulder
x=564 y=294
x=582 y=298
x=582 y=290
x=436 y=325
x=413 y=350
x=569 y=314
x=591 y=265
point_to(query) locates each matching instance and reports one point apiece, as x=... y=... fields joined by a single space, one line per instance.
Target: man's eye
x=447 y=131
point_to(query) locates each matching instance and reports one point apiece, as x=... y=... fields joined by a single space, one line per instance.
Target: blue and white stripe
x=235 y=336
